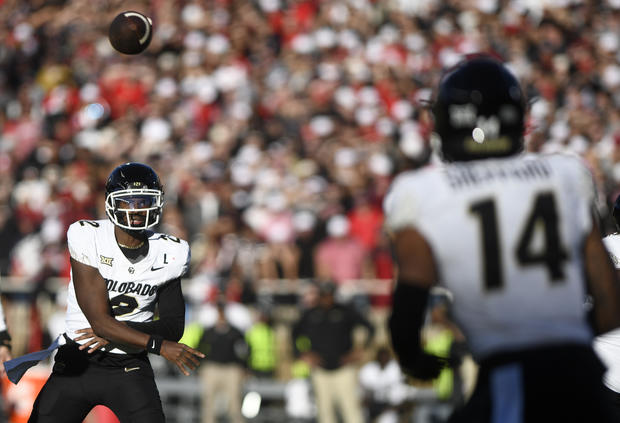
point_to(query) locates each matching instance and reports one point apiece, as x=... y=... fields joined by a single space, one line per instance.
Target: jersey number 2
x=542 y=217
x=123 y=304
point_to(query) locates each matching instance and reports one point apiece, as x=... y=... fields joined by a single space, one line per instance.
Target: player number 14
x=543 y=216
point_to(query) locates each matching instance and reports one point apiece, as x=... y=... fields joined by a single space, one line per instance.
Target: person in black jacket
x=223 y=371
x=323 y=337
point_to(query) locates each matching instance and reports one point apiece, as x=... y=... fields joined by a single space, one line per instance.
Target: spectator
x=365 y=223
x=298 y=398
x=343 y=259
x=237 y=314
x=261 y=341
x=443 y=338
x=307 y=238
x=233 y=100
x=323 y=337
x=222 y=373
x=384 y=387
x=340 y=257
x=383 y=270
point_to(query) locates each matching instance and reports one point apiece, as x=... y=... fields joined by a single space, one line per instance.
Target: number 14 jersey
x=132 y=286
x=507 y=237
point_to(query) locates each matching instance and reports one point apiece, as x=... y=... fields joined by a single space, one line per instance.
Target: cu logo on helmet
x=466 y=116
x=463 y=115
x=486 y=128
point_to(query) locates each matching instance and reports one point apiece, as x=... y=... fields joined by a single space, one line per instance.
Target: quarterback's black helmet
x=134 y=189
x=479 y=111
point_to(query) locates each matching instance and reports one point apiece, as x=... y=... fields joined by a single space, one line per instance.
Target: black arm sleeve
x=171 y=322
x=408 y=311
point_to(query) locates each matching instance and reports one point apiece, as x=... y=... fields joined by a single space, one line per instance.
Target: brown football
x=130 y=32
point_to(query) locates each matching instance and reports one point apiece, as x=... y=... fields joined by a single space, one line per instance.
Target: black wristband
x=5 y=339
x=154 y=345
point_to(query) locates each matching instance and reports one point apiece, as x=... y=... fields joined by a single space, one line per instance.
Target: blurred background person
x=340 y=257
x=323 y=337
x=298 y=399
x=222 y=373
x=343 y=259
x=261 y=341
x=442 y=338
x=384 y=388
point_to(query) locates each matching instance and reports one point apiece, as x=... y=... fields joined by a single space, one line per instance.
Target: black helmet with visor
x=134 y=197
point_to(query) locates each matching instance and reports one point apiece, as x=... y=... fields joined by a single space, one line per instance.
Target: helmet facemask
x=134 y=209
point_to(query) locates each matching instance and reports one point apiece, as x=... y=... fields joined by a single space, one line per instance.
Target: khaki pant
x=221 y=382
x=18 y=316
x=337 y=388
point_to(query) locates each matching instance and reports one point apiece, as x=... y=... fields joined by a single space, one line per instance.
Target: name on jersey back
x=469 y=175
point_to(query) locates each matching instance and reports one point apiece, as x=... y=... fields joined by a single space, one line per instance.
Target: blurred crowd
x=275 y=125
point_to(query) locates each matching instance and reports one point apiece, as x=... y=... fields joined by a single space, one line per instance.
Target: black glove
x=426 y=366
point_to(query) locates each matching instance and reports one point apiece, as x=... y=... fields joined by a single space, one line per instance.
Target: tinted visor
x=135 y=202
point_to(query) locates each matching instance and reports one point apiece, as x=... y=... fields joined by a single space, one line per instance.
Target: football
x=130 y=32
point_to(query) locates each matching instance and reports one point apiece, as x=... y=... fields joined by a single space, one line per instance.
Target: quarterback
x=121 y=273
x=514 y=238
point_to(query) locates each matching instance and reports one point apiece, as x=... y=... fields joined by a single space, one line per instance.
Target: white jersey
x=607 y=345
x=507 y=237
x=132 y=287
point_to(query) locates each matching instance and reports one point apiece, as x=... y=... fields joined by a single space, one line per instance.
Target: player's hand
x=95 y=342
x=5 y=355
x=426 y=366
x=181 y=355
